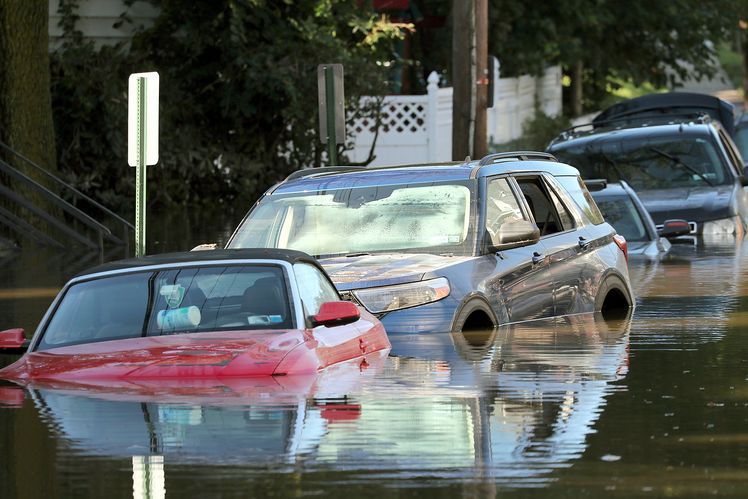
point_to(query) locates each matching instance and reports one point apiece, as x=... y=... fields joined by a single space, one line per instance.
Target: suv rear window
x=579 y=193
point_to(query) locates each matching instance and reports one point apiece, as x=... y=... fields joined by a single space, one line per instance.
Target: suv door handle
x=583 y=242
x=537 y=258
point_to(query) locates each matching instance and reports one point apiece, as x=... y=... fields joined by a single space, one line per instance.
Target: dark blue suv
x=450 y=247
x=689 y=170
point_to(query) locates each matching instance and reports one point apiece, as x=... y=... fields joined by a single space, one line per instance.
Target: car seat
x=265 y=298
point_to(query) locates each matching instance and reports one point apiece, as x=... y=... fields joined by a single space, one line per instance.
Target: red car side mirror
x=336 y=313
x=12 y=340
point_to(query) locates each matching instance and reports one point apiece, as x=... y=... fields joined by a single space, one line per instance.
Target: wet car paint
x=206 y=354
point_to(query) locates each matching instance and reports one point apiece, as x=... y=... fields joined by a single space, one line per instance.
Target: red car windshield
x=172 y=301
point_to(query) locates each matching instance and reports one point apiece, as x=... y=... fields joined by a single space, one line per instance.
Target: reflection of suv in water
x=513 y=237
x=690 y=171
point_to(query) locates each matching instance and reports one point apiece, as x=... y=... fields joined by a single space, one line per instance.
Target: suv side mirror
x=336 y=313
x=13 y=342
x=674 y=228
x=514 y=234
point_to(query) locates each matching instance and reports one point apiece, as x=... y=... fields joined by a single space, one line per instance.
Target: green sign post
x=331 y=108
x=142 y=142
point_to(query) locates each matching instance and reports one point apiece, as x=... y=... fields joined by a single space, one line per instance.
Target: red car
x=203 y=314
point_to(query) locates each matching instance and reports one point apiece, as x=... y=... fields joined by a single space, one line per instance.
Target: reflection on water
x=509 y=406
x=651 y=405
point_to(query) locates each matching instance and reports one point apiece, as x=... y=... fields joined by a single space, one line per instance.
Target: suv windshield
x=432 y=218
x=649 y=162
x=171 y=301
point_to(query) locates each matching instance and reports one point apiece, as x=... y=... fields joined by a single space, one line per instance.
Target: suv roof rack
x=516 y=156
x=321 y=170
x=638 y=121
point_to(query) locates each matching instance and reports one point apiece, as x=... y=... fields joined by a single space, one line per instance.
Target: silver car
x=451 y=247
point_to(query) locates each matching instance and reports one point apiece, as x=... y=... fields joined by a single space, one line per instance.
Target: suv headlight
x=723 y=226
x=388 y=298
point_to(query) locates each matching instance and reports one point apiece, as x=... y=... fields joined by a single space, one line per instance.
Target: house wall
x=97 y=19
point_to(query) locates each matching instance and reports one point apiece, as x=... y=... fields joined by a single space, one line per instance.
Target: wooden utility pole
x=480 y=137
x=469 y=78
x=463 y=78
x=577 y=72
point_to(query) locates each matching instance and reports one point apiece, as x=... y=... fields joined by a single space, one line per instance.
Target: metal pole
x=140 y=173
x=332 y=148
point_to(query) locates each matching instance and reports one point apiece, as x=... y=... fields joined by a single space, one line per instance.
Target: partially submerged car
x=451 y=247
x=623 y=209
x=209 y=314
x=680 y=170
x=741 y=135
x=672 y=104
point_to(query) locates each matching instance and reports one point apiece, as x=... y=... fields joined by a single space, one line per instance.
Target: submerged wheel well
x=615 y=304
x=477 y=320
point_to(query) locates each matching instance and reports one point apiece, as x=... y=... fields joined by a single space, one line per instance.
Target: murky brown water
x=655 y=405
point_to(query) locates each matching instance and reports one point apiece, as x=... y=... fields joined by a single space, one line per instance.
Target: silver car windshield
x=433 y=218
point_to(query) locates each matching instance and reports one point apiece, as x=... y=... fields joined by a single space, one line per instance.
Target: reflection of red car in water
x=208 y=314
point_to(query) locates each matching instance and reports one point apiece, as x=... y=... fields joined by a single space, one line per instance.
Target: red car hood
x=196 y=355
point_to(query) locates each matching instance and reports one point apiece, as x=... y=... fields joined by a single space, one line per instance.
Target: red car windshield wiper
x=676 y=160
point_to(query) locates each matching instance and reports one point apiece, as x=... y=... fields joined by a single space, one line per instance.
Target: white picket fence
x=418 y=128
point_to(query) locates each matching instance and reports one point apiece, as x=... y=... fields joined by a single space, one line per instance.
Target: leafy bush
x=537 y=132
x=238 y=96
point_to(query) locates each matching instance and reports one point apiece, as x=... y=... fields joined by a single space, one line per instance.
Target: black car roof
x=290 y=256
x=669 y=103
x=658 y=130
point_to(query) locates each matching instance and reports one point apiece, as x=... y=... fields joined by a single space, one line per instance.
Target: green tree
x=238 y=93
x=607 y=40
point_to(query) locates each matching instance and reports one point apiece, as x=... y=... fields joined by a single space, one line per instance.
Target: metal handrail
x=54 y=198
x=66 y=185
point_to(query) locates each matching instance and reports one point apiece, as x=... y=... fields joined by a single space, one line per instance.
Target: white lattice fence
x=418 y=128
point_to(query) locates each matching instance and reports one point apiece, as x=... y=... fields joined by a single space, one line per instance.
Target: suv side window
x=732 y=152
x=567 y=222
x=501 y=205
x=579 y=193
x=543 y=206
x=314 y=288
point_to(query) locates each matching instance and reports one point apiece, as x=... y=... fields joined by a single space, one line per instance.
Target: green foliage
x=238 y=106
x=634 y=41
x=537 y=133
x=732 y=62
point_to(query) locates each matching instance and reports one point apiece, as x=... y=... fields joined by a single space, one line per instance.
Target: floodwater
x=653 y=405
